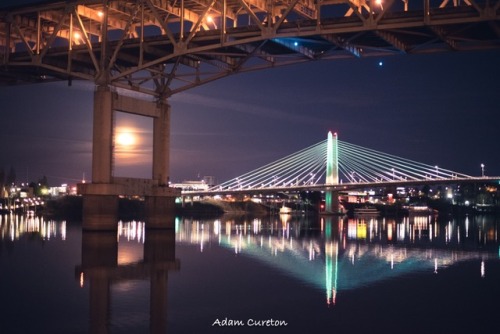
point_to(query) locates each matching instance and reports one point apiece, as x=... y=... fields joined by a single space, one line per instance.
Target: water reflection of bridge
x=104 y=263
x=334 y=254
x=341 y=254
x=101 y=267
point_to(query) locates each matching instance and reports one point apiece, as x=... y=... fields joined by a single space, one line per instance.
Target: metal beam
x=393 y=40
x=295 y=46
x=340 y=42
x=170 y=58
x=251 y=13
x=285 y=14
x=196 y=26
x=87 y=42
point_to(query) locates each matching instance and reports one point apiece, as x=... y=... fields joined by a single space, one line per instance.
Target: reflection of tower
x=99 y=261
x=159 y=258
x=332 y=172
x=100 y=268
x=331 y=262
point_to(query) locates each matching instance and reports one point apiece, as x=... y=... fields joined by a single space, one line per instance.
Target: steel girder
x=162 y=47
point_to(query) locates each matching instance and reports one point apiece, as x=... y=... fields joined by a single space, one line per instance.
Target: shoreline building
x=197 y=185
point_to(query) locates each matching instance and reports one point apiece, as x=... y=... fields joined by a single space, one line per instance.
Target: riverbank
x=72 y=206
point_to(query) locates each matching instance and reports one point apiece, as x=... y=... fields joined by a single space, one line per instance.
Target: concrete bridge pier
x=100 y=198
x=100 y=212
x=159 y=212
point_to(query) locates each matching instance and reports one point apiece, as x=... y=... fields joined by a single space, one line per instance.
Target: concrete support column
x=102 y=141
x=161 y=144
x=100 y=198
x=160 y=212
x=100 y=213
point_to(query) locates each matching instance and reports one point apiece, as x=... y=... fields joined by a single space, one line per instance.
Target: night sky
x=440 y=109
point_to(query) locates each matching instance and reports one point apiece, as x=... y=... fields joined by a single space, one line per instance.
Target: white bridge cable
x=358 y=168
x=355 y=164
x=353 y=173
x=287 y=174
x=294 y=169
x=380 y=169
x=355 y=169
x=372 y=167
x=392 y=166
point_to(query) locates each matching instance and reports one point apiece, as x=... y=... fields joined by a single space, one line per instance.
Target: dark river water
x=281 y=274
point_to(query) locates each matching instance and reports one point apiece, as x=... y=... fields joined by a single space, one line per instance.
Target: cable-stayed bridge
x=158 y=48
x=335 y=165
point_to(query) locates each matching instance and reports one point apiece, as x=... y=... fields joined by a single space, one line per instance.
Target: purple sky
x=440 y=109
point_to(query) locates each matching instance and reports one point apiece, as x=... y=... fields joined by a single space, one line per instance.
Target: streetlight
x=437 y=172
x=312 y=178
x=482 y=170
x=210 y=19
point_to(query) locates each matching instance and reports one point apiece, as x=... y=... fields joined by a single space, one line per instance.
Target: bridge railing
x=348 y=186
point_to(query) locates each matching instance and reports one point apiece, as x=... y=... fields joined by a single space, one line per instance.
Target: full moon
x=125 y=139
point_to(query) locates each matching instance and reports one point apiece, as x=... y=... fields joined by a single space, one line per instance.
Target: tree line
x=7 y=179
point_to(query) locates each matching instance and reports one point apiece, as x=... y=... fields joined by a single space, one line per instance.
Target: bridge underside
x=149 y=46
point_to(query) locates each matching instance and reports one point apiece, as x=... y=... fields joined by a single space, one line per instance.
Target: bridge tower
x=332 y=173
